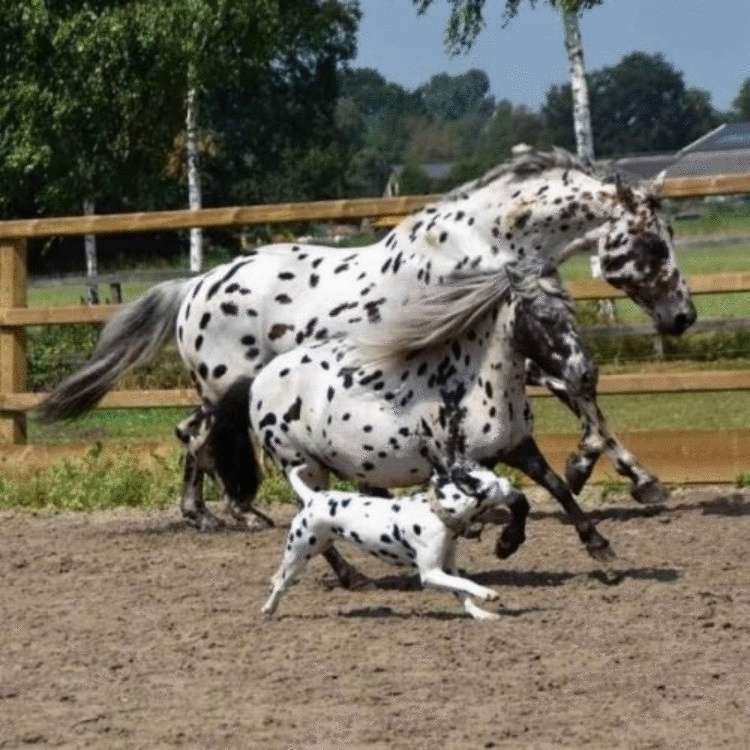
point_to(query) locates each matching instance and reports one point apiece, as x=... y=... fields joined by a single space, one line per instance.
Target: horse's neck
x=549 y=214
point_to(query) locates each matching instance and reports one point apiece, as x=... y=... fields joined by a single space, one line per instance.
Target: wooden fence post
x=12 y=340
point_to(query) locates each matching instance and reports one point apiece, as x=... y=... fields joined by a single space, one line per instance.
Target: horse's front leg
x=580 y=464
x=527 y=457
x=645 y=487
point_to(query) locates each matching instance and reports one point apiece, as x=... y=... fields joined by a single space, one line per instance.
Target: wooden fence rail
x=15 y=316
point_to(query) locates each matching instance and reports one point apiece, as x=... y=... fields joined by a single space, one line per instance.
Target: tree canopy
x=639 y=105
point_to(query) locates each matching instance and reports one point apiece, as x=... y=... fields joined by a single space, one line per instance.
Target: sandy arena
x=127 y=630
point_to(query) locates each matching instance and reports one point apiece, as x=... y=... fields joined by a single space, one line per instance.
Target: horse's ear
x=625 y=194
x=657 y=184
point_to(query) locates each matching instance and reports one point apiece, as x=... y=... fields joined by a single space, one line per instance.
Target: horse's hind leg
x=527 y=457
x=234 y=460
x=192 y=504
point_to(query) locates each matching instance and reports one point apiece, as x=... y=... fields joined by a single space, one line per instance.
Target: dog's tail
x=133 y=337
x=303 y=491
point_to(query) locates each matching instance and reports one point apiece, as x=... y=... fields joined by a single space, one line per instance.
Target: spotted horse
x=373 y=410
x=233 y=320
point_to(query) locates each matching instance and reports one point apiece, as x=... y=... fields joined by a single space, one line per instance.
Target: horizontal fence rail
x=679 y=456
x=701 y=381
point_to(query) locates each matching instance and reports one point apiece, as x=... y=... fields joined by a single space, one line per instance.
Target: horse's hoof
x=508 y=542
x=601 y=551
x=254 y=524
x=355 y=581
x=650 y=493
x=209 y=523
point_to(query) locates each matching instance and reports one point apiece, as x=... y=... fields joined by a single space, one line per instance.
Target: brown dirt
x=126 y=630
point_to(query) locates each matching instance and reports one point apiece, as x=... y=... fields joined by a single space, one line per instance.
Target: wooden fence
x=677 y=457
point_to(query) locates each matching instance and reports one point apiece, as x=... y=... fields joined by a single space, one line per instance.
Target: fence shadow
x=736 y=504
x=379 y=613
x=544 y=578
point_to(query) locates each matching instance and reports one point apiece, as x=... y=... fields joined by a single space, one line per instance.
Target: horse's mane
x=442 y=314
x=524 y=165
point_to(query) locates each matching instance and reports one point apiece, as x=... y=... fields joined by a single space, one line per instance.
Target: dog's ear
x=462 y=477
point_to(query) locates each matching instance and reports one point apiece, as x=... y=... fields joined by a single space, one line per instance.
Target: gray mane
x=449 y=311
x=524 y=165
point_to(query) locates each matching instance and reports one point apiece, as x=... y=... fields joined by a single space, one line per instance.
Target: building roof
x=723 y=150
x=727 y=137
x=643 y=167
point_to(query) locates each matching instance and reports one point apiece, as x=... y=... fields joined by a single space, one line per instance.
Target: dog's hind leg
x=467 y=602
x=315 y=476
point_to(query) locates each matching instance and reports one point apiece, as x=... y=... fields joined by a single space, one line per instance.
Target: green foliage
x=95 y=483
x=84 y=82
x=639 y=105
x=741 y=102
x=612 y=488
x=55 y=351
x=743 y=480
x=413 y=180
x=447 y=97
x=467 y=20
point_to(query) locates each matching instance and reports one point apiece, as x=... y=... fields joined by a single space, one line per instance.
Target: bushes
x=94 y=483
x=57 y=351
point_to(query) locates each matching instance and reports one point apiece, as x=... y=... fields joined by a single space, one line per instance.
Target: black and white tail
x=133 y=337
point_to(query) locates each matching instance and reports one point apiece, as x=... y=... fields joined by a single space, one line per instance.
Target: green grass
x=735 y=221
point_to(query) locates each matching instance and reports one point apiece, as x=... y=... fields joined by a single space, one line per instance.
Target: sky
x=712 y=48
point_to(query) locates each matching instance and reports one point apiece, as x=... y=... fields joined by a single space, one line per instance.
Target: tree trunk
x=89 y=248
x=579 y=87
x=195 y=197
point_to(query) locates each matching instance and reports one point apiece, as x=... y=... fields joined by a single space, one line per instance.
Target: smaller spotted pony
x=420 y=530
x=374 y=411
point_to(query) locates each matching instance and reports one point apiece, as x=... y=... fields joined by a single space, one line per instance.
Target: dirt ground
x=127 y=630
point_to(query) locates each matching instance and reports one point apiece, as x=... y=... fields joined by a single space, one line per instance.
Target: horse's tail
x=304 y=492
x=133 y=337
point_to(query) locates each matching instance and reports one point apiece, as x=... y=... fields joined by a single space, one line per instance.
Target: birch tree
x=210 y=41
x=467 y=21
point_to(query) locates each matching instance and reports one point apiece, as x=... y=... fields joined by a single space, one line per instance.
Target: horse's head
x=637 y=255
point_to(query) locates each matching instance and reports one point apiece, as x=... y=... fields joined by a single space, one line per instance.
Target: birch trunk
x=195 y=197
x=578 y=85
x=89 y=249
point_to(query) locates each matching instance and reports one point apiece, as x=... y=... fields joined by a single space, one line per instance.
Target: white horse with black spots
x=233 y=320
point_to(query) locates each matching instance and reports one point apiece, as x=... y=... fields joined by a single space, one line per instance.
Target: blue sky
x=711 y=47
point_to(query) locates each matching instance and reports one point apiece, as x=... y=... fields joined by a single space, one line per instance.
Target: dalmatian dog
x=217 y=443
x=421 y=530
